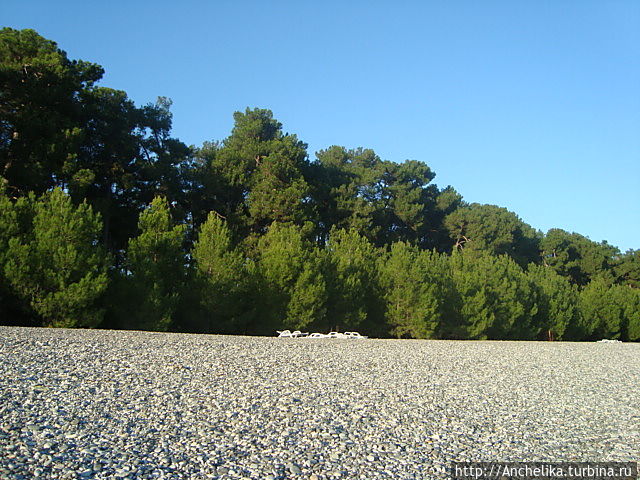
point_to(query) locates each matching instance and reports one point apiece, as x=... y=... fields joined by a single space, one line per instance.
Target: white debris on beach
x=299 y=334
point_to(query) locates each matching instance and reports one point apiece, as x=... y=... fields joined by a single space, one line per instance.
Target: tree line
x=106 y=220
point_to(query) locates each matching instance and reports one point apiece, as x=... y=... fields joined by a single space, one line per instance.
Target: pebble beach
x=103 y=404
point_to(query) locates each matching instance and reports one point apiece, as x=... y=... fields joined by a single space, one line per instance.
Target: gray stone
x=201 y=406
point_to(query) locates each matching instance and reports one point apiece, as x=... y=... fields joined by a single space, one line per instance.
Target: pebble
x=114 y=404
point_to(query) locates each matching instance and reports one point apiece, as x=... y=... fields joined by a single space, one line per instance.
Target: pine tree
x=493 y=230
x=156 y=273
x=419 y=292
x=373 y=218
x=628 y=268
x=578 y=258
x=345 y=186
x=307 y=306
x=602 y=315
x=224 y=282
x=498 y=300
x=16 y=221
x=292 y=291
x=256 y=175
x=558 y=299
x=279 y=191
x=60 y=267
x=631 y=302
x=41 y=95
x=355 y=301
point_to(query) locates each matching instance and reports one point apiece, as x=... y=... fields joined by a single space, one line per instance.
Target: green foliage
x=557 y=304
x=609 y=311
x=104 y=169
x=57 y=128
x=40 y=90
x=16 y=219
x=630 y=298
x=381 y=200
x=279 y=191
x=603 y=315
x=224 y=281
x=344 y=241
x=406 y=202
x=59 y=267
x=345 y=188
x=292 y=290
x=447 y=201
x=256 y=176
x=493 y=230
x=419 y=292
x=498 y=299
x=156 y=272
x=125 y=158
x=162 y=158
x=628 y=268
x=307 y=305
x=578 y=258
x=353 y=283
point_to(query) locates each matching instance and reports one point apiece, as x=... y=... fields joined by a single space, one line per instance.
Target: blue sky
x=534 y=106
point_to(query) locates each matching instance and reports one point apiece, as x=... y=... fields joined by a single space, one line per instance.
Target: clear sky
x=530 y=105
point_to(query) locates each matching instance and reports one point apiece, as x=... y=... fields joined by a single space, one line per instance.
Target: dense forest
x=106 y=220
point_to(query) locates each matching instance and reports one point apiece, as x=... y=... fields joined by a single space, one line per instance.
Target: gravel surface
x=111 y=404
